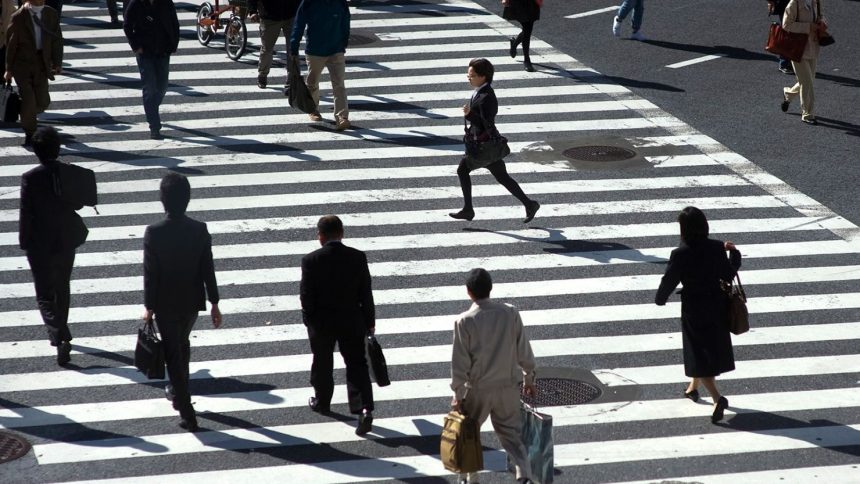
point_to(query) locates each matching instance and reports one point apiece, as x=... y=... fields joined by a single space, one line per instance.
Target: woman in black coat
x=526 y=12
x=700 y=263
x=481 y=114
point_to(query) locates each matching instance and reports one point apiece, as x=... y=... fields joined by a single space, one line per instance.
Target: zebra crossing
x=583 y=273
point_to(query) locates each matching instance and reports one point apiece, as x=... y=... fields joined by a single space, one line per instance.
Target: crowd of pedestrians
x=491 y=354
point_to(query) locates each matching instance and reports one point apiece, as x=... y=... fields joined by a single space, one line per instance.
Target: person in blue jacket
x=327 y=23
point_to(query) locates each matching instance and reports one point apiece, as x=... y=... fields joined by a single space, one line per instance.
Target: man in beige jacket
x=491 y=356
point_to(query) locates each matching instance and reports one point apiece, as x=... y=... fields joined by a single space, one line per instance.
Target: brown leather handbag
x=789 y=45
x=738 y=320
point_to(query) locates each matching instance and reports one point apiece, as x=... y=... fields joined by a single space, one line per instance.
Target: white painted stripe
x=115 y=411
x=403 y=135
x=429 y=193
x=376 y=9
x=417 y=426
x=441 y=216
x=287 y=120
x=845 y=474
x=593 y=12
x=697 y=60
x=456 y=239
x=597 y=345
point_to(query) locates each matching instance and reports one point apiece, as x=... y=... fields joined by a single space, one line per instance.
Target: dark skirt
x=706 y=340
x=522 y=11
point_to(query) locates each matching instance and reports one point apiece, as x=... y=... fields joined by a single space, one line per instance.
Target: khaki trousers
x=32 y=84
x=502 y=405
x=336 y=66
x=270 y=30
x=805 y=72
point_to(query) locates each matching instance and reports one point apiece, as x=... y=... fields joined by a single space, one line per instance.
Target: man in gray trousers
x=275 y=16
x=491 y=356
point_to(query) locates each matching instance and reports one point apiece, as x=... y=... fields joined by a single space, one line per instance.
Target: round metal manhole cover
x=12 y=447
x=359 y=39
x=555 y=392
x=598 y=153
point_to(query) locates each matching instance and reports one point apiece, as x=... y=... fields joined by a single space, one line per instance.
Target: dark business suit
x=49 y=230
x=337 y=306
x=483 y=108
x=178 y=274
x=700 y=267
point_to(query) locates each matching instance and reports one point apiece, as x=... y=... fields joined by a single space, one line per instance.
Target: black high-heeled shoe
x=528 y=65
x=694 y=395
x=463 y=215
x=722 y=405
x=513 y=50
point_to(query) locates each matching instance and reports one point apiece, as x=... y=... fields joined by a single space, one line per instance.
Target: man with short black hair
x=491 y=356
x=337 y=307
x=50 y=230
x=178 y=274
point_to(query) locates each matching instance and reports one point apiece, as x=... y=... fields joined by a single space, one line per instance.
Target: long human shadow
x=424 y=140
x=845 y=81
x=59 y=428
x=227 y=143
x=729 y=51
x=94 y=118
x=754 y=421
x=432 y=9
x=849 y=128
x=391 y=105
x=598 y=251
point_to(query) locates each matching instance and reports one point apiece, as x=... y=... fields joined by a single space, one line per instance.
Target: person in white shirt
x=491 y=356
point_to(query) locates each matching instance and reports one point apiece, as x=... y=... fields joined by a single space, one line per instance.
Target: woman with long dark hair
x=481 y=114
x=700 y=264
x=526 y=12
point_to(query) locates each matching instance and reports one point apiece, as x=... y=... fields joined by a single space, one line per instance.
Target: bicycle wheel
x=236 y=38
x=204 y=32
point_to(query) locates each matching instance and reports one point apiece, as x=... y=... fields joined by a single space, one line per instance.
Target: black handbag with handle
x=149 y=352
x=376 y=361
x=485 y=149
x=788 y=45
x=10 y=103
x=738 y=320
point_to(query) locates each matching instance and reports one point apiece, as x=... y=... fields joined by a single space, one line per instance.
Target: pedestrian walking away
x=337 y=307
x=804 y=17
x=491 y=357
x=275 y=16
x=113 y=11
x=178 y=276
x=526 y=12
x=481 y=112
x=327 y=24
x=49 y=230
x=700 y=264
x=7 y=8
x=152 y=29
x=777 y=7
x=34 y=54
x=638 y=9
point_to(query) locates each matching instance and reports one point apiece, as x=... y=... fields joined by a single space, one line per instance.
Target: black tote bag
x=149 y=352
x=300 y=96
x=484 y=150
x=376 y=361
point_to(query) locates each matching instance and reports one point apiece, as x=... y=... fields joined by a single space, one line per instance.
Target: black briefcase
x=10 y=103
x=149 y=352
x=75 y=184
x=376 y=361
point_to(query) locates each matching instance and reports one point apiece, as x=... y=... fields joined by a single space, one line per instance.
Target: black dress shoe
x=531 y=210
x=365 y=423
x=28 y=141
x=317 y=406
x=694 y=395
x=785 y=103
x=513 y=51
x=722 y=405
x=189 y=424
x=529 y=67
x=64 y=353
x=463 y=215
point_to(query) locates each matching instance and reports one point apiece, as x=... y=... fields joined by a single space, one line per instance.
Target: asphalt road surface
x=583 y=273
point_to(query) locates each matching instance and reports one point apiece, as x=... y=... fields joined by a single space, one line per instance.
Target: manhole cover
x=359 y=39
x=12 y=447
x=553 y=392
x=599 y=153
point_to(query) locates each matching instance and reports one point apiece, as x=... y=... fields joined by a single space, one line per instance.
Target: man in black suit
x=337 y=307
x=50 y=230
x=178 y=274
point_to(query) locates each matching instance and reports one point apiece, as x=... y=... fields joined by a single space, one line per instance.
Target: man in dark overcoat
x=337 y=307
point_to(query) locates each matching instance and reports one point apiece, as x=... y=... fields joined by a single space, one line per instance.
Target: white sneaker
x=637 y=36
x=616 y=27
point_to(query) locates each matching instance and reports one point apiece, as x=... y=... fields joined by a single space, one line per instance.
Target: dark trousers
x=350 y=341
x=113 y=10
x=525 y=37
x=154 y=72
x=51 y=274
x=499 y=171
x=32 y=84
x=175 y=331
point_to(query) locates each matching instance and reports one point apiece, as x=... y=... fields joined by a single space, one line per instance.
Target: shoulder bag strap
x=38 y=22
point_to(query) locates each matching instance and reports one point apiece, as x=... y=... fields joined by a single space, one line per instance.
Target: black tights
x=500 y=172
x=525 y=37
